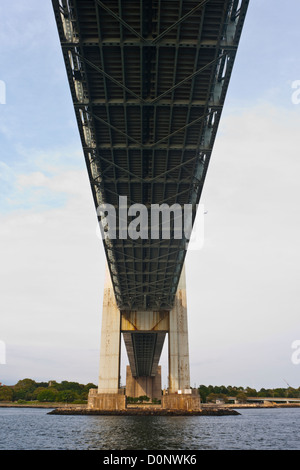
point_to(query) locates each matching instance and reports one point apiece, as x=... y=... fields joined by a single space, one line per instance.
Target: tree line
x=74 y=392
x=30 y=390
x=212 y=392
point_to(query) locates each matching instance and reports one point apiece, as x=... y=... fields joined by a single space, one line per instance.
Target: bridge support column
x=109 y=373
x=180 y=395
x=108 y=396
x=179 y=365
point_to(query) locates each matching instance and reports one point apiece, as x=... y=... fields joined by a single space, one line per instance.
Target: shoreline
x=41 y=405
x=146 y=412
x=206 y=409
x=203 y=405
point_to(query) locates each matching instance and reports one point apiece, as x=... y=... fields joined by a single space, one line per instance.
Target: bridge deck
x=148 y=82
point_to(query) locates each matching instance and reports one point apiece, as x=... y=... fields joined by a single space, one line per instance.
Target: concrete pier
x=106 y=401
x=181 y=401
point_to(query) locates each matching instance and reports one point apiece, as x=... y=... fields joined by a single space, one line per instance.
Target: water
x=254 y=429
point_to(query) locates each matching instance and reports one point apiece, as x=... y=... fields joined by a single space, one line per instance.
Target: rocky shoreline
x=206 y=409
x=145 y=412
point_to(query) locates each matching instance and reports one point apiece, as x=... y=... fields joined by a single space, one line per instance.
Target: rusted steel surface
x=144 y=335
x=145 y=321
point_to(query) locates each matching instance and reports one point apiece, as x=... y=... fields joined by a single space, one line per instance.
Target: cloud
x=52 y=270
x=240 y=285
x=53 y=259
x=243 y=284
x=42 y=178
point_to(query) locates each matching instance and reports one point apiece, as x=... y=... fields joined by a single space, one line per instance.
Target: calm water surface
x=260 y=429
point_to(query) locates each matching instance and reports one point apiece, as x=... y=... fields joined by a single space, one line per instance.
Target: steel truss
x=148 y=81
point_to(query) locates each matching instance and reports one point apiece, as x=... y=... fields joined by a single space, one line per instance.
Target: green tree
x=142 y=398
x=88 y=386
x=220 y=389
x=37 y=391
x=85 y=391
x=292 y=393
x=6 y=393
x=42 y=384
x=74 y=386
x=67 y=396
x=263 y=392
x=47 y=394
x=23 y=390
x=241 y=397
x=203 y=392
x=212 y=397
x=232 y=391
x=27 y=384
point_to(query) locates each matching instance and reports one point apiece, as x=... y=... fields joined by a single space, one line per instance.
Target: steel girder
x=148 y=80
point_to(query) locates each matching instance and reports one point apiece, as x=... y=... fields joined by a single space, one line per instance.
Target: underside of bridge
x=148 y=80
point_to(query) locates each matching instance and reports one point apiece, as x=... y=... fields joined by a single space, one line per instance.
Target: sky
x=242 y=285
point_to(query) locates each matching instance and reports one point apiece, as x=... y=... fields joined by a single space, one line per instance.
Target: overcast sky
x=243 y=285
